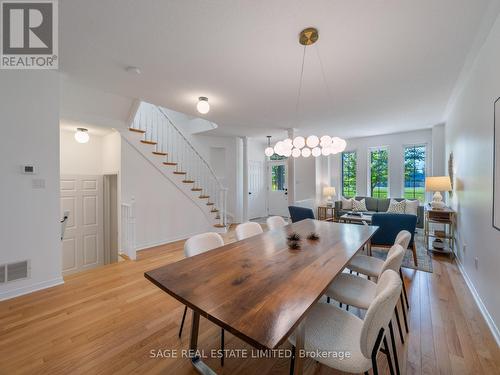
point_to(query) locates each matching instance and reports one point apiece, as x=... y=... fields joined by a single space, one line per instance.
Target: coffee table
x=355 y=219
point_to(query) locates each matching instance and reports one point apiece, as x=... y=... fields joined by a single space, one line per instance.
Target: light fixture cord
x=300 y=85
x=328 y=92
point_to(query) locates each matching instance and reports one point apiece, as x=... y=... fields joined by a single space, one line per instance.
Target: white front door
x=277 y=188
x=82 y=245
x=256 y=189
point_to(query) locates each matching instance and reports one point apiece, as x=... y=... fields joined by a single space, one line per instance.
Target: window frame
x=355 y=152
x=369 y=170
x=428 y=163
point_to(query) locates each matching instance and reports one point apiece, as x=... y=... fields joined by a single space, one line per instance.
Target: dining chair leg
x=404 y=312
x=182 y=322
x=347 y=307
x=222 y=346
x=388 y=355
x=327 y=299
x=394 y=350
x=375 y=351
x=292 y=361
x=404 y=289
x=340 y=303
x=399 y=325
x=350 y=271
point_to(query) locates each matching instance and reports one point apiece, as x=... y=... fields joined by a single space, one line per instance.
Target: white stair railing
x=169 y=139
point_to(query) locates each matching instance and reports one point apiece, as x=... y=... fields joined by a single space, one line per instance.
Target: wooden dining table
x=260 y=289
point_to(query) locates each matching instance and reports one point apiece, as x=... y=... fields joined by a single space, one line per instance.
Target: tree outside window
x=379 y=172
x=349 y=174
x=414 y=172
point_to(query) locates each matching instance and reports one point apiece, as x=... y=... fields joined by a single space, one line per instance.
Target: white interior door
x=82 y=246
x=256 y=189
x=277 y=188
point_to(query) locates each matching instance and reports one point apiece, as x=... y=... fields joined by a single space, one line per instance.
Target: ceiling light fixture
x=269 y=151
x=326 y=145
x=203 y=107
x=82 y=135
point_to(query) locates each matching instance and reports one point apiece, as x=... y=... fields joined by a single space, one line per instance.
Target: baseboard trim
x=165 y=242
x=30 y=288
x=479 y=302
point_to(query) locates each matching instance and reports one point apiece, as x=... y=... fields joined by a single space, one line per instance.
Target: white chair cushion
x=366 y=265
x=352 y=290
x=330 y=329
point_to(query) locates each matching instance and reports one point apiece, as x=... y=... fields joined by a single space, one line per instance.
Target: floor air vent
x=13 y=271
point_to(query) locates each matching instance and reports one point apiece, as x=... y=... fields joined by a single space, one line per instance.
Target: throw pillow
x=396 y=207
x=347 y=203
x=412 y=207
x=359 y=205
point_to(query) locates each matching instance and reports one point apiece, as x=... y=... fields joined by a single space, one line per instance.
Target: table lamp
x=437 y=185
x=329 y=192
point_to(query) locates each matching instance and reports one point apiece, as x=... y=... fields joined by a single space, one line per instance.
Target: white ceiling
x=391 y=65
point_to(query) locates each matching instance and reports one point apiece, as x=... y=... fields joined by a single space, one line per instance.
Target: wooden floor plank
x=107 y=321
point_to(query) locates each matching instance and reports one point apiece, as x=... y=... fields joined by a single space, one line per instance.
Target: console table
x=445 y=217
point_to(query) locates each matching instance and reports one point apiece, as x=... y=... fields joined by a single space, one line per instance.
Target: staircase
x=154 y=135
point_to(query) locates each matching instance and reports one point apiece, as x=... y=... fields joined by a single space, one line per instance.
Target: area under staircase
x=154 y=135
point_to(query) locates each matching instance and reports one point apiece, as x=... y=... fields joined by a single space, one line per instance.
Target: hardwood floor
x=109 y=321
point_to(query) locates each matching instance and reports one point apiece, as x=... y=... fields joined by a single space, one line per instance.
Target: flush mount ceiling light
x=82 y=135
x=311 y=145
x=203 y=107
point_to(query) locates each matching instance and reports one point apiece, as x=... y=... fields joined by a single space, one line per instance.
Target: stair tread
x=196 y=189
x=210 y=204
x=219 y=226
x=159 y=153
x=178 y=172
x=137 y=130
x=204 y=196
x=188 y=181
x=148 y=142
x=169 y=163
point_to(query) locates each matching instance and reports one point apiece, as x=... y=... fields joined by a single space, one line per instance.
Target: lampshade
x=329 y=191
x=440 y=183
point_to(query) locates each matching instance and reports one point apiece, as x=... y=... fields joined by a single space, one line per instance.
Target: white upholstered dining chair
x=275 y=222
x=329 y=328
x=247 y=229
x=197 y=245
x=359 y=292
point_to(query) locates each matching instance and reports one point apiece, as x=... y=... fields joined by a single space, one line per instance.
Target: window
x=379 y=172
x=349 y=174
x=278 y=177
x=414 y=172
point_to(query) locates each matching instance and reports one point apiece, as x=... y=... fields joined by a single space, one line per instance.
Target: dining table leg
x=300 y=332
x=196 y=360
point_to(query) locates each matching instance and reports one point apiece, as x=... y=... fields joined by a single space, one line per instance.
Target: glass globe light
x=287 y=152
x=203 y=107
x=299 y=142
x=343 y=144
x=325 y=140
x=306 y=152
x=269 y=151
x=325 y=151
x=296 y=152
x=278 y=148
x=312 y=141
x=82 y=135
x=316 y=151
x=288 y=143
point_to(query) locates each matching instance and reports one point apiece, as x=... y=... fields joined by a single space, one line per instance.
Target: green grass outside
x=381 y=192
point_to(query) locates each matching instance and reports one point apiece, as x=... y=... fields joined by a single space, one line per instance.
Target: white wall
x=395 y=144
x=29 y=217
x=232 y=147
x=163 y=213
x=305 y=178
x=469 y=135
